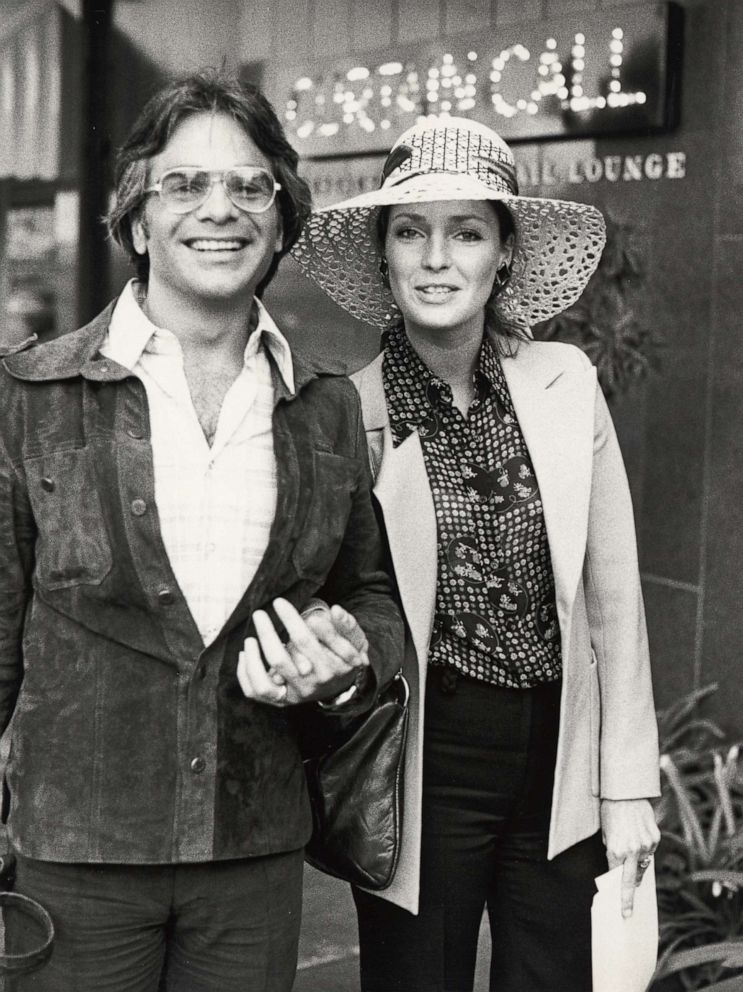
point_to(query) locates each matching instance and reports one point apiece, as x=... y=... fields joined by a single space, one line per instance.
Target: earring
x=502 y=275
x=384 y=271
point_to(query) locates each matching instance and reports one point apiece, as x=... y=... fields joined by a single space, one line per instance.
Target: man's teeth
x=204 y=244
x=436 y=290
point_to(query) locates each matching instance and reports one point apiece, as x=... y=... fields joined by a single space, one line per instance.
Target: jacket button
x=198 y=765
x=47 y=484
x=201 y=673
x=136 y=433
x=139 y=507
x=165 y=597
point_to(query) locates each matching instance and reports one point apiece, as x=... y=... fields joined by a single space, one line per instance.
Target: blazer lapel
x=402 y=490
x=555 y=410
x=405 y=497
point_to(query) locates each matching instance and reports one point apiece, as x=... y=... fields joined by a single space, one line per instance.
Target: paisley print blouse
x=495 y=618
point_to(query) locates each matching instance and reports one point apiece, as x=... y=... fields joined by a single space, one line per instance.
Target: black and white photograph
x=371 y=495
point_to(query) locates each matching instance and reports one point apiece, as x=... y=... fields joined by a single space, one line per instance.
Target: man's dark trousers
x=229 y=926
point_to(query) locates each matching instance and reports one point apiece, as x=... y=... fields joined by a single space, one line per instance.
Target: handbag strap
x=375 y=445
x=14 y=902
x=400 y=685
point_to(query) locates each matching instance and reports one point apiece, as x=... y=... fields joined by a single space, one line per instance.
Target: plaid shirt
x=215 y=537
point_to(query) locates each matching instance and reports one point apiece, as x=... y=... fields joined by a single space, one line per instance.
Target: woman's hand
x=631 y=836
x=322 y=657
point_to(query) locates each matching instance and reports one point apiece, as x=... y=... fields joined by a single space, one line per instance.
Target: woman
x=512 y=539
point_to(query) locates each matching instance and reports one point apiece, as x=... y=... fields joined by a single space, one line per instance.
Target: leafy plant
x=699 y=868
x=605 y=322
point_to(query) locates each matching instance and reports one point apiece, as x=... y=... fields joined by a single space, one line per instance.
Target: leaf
x=721 y=773
x=703 y=909
x=714 y=833
x=689 y=819
x=732 y=879
x=729 y=952
x=727 y=985
x=682 y=708
x=703 y=728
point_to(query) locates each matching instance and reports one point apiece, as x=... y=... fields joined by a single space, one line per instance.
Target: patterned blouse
x=495 y=618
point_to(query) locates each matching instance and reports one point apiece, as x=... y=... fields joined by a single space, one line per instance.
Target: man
x=172 y=481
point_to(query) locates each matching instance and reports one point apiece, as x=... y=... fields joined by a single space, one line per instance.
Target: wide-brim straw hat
x=558 y=243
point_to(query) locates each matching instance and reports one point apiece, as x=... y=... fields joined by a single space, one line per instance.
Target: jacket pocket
x=321 y=530
x=595 y=711
x=72 y=545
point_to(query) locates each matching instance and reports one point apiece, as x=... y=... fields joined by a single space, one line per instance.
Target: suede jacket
x=131 y=742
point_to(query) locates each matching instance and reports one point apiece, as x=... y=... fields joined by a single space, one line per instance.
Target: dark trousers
x=227 y=926
x=488 y=765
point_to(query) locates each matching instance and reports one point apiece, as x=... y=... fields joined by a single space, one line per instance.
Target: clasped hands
x=325 y=652
x=631 y=836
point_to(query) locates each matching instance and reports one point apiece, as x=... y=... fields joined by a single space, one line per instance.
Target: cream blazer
x=608 y=741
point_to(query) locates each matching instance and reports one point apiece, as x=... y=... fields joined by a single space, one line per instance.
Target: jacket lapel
x=555 y=410
x=405 y=497
x=402 y=489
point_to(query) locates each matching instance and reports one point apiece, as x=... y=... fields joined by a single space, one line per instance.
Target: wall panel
x=292 y=30
x=372 y=24
x=182 y=35
x=558 y=8
x=331 y=28
x=467 y=15
x=256 y=33
x=419 y=20
x=671 y=615
x=515 y=11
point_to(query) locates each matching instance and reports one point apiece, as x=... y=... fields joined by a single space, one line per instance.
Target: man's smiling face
x=216 y=252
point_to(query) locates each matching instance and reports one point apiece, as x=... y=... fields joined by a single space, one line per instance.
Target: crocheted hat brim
x=558 y=246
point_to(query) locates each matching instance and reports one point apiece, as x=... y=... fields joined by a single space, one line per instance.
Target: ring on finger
x=303 y=663
x=283 y=692
x=643 y=863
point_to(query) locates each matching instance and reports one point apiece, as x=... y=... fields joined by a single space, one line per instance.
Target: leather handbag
x=356 y=792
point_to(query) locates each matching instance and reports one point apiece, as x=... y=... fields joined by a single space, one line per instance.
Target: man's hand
x=631 y=836
x=322 y=657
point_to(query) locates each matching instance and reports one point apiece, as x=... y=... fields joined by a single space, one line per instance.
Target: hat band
x=494 y=179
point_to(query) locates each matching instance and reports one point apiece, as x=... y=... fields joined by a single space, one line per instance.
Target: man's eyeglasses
x=249 y=187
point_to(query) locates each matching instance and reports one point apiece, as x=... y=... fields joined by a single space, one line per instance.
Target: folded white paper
x=624 y=951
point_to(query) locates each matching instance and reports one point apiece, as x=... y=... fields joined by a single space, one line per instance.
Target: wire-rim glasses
x=249 y=187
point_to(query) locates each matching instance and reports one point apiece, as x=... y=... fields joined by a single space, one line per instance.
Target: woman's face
x=442 y=260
